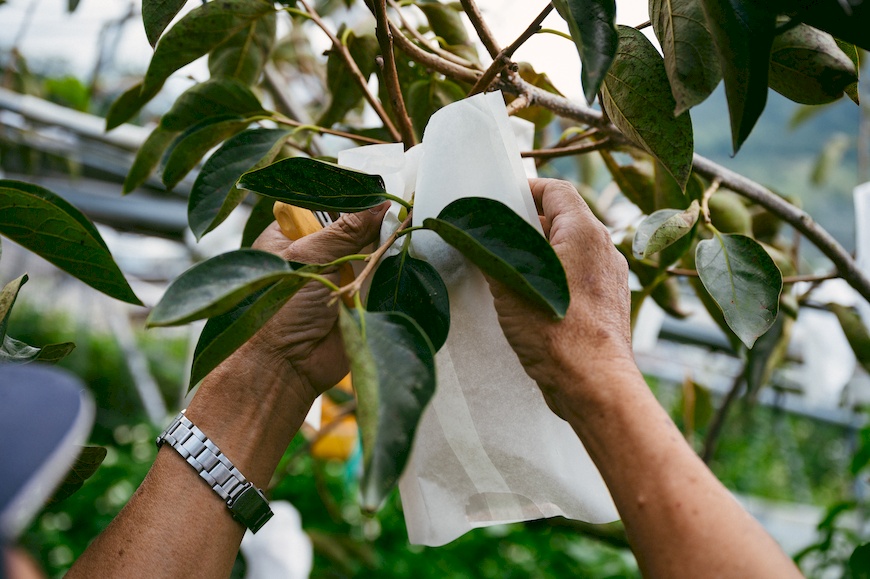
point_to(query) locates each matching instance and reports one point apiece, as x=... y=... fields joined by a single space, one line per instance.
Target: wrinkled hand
x=304 y=334
x=595 y=334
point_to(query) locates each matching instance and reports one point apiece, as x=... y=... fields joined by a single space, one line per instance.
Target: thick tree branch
x=483 y=32
x=503 y=58
x=357 y=74
x=391 y=75
x=436 y=48
x=432 y=61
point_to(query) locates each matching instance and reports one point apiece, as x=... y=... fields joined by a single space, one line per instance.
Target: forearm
x=680 y=520
x=175 y=525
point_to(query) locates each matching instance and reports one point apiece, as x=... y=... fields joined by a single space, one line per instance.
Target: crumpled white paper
x=488 y=449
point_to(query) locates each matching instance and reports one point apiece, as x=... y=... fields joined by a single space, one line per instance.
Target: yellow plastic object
x=341 y=440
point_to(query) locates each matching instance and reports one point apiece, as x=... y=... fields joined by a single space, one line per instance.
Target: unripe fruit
x=729 y=214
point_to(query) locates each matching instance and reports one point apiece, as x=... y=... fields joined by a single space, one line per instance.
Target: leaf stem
x=555 y=33
x=503 y=58
x=320 y=278
x=353 y=287
x=407 y=205
x=643 y=25
x=283 y=120
x=705 y=200
x=409 y=230
x=391 y=75
x=347 y=258
x=356 y=73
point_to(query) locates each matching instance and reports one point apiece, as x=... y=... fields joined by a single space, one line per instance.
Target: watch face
x=45 y=414
x=251 y=509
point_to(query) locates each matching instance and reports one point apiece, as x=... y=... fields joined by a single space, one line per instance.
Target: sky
x=72 y=38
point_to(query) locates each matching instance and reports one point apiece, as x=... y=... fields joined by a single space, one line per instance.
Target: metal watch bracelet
x=246 y=503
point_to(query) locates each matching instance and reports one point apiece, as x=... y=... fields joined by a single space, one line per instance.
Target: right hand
x=571 y=357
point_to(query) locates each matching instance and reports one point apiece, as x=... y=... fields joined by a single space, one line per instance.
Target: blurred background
x=793 y=453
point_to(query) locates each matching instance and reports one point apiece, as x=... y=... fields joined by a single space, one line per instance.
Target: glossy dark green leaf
x=201 y=30
x=690 y=54
x=84 y=467
x=848 y=20
x=592 y=24
x=851 y=51
x=426 y=97
x=393 y=368
x=188 y=148
x=16 y=352
x=637 y=97
x=413 y=287
x=743 y=31
x=446 y=22
x=157 y=14
x=744 y=280
x=214 y=194
x=663 y=228
x=663 y=289
x=505 y=247
x=808 y=67
x=856 y=332
x=212 y=98
x=859 y=562
x=216 y=285
x=344 y=91
x=128 y=104
x=243 y=55
x=669 y=195
x=8 y=295
x=316 y=185
x=47 y=225
x=260 y=218
x=148 y=158
x=225 y=333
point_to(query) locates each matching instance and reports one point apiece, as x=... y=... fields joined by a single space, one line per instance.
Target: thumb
x=349 y=234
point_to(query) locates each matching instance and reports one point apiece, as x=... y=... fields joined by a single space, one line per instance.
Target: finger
x=349 y=234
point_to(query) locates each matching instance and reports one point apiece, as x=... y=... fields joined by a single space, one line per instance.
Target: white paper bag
x=488 y=449
x=862 y=242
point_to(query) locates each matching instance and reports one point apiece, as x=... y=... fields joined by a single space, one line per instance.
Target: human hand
x=303 y=336
x=565 y=356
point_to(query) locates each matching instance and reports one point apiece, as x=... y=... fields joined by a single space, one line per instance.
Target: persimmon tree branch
x=436 y=48
x=483 y=32
x=503 y=58
x=567 y=151
x=391 y=75
x=356 y=73
x=432 y=61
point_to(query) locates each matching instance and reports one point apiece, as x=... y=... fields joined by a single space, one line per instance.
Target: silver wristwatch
x=246 y=502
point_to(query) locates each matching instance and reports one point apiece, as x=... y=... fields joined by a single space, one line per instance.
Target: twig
x=391 y=75
x=432 y=61
x=521 y=102
x=643 y=25
x=503 y=58
x=786 y=279
x=718 y=420
x=483 y=31
x=373 y=259
x=436 y=48
x=705 y=199
x=567 y=151
x=317 y=129
x=355 y=72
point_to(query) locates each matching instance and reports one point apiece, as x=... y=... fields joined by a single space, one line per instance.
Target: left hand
x=304 y=336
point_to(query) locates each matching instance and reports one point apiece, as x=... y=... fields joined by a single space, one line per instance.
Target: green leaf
x=345 y=94
x=16 y=352
x=669 y=195
x=592 y=24
x=637 y=97
x=225 y=333
x=859 y=562
x=214 y=286
x=743 y=31
x=744 y=280
x=446 y=22
x=188 y=148
x=851 y=51
x=847 y=20
x=148 y=157
x=47 y=225
x=243 y=56
x=808 y=67
x=200 y=31
x=856 y=332
x=8 y=295
x=212 y=98
x=390 y=402
x=317 y=185
x=505 y=247
x=768 y=353
x=635 y=181
x=214 y=194
x=690 y=54
x=157 y=14
x=830 y=158
x=426 y=97
x=663 y=228
x=84 y=467
x=413 y=287
x=261 y=217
